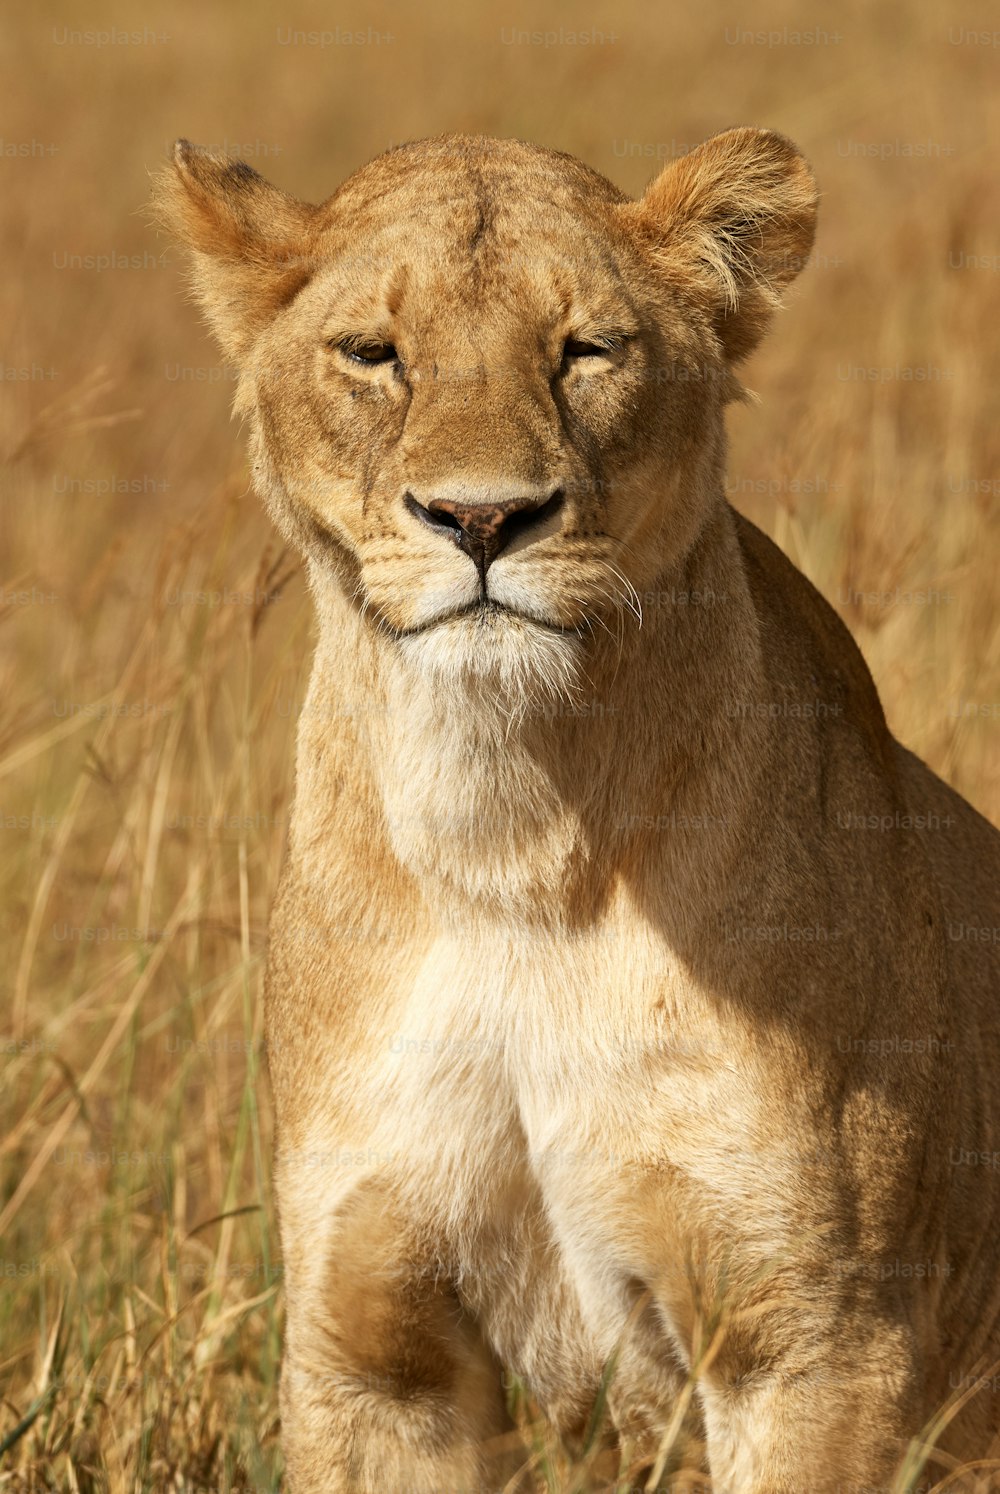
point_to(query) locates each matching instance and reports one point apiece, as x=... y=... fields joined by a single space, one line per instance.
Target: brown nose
x=483 y=530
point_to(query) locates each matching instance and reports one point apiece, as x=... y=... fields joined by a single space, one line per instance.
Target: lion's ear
x=250 y=242
x=737 y=217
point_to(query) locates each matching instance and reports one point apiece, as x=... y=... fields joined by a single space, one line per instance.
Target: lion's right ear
x=250 y=243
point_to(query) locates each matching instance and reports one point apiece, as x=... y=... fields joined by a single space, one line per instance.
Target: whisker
x=632 y=601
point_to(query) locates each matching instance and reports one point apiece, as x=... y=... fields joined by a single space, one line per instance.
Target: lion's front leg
x=834 y=1427
x=387 y=1383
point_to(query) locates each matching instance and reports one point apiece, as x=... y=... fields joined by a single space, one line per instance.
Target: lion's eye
x=368 y=352
x=574 y=347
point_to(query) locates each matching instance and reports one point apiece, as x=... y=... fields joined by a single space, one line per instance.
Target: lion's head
x=485 y=388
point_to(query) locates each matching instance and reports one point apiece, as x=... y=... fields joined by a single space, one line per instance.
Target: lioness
x=612 y=1010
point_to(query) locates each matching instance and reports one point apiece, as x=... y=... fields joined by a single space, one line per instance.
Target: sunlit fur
x=591 y=1020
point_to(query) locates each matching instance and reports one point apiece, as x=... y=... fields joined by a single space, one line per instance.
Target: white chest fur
x=578 y=1074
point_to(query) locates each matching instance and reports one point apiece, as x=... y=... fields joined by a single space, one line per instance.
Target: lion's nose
x=484 y=530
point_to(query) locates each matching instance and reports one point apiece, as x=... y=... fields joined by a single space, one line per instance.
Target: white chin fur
x=467 y=800
x=521 y=663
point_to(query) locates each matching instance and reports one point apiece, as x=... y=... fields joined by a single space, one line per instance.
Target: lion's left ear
x=736 y=218
x=250 y=242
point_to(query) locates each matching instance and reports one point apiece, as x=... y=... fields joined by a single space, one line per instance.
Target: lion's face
x=486 y=389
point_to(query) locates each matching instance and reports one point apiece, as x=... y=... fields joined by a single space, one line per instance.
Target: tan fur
x=596 y=1000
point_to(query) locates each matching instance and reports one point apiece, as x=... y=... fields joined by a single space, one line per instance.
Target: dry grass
x=155 y=642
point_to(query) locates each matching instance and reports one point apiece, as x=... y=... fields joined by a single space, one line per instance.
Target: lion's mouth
x=485 y=614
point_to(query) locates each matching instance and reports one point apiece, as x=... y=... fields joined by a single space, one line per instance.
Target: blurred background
x=155 y=639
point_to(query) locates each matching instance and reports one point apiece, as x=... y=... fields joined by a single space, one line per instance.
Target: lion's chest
x=576 y=1081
